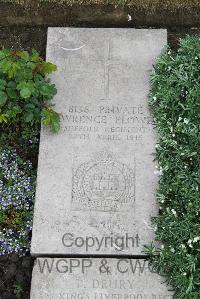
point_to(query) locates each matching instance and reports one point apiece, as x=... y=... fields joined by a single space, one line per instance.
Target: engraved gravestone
x=96 y=182
x=97 y=279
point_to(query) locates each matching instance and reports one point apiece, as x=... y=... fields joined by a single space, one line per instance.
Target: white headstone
x=96 y=178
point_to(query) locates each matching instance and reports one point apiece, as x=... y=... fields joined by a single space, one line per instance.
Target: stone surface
x=96 y=279
x=96 y=178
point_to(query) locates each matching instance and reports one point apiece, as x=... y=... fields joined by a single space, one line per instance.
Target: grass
x=139 y=4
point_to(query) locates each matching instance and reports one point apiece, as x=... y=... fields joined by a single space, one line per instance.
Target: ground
x=143 y=4
x=15 y=277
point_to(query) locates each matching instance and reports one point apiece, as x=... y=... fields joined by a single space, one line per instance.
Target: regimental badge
x=103 y=184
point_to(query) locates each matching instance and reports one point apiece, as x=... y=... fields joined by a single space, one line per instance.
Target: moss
x=139 y=4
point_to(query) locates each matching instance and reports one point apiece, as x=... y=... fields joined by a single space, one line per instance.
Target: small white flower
x=158 y=172
x=173 y=212
x=162 y=246
x=129 y=18
x=196 y=239
x=186 y=121
x=190 y=243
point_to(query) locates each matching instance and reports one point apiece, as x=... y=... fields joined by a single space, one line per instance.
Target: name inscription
x=108 y=123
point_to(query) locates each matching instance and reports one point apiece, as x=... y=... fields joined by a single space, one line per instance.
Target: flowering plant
x=175 y=104
x=16 y=202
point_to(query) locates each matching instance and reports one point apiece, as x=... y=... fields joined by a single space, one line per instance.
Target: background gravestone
x=96 y=182
x=96 y=279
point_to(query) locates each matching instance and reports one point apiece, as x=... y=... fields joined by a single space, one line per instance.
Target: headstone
x=96 y=182
x=96 y=279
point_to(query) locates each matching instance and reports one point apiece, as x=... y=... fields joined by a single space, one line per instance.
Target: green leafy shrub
x=25 y=94
x=17 y=190
x=175 y=103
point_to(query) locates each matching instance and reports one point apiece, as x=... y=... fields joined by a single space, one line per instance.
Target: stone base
x=85 y=278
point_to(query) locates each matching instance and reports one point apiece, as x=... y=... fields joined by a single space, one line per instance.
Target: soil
x=24 y=38
x=54 y=13
x=15 y=278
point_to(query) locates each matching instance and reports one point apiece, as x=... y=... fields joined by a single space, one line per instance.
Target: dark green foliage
x=175 y=103
x=25 y=93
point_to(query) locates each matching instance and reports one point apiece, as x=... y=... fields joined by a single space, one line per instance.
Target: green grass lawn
x=143 y=4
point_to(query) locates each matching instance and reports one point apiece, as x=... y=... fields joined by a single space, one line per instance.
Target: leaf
x=51 y=118
x=5 y=65
x=4 y=53
x=35 y=56
x=3 y=98
x=46 y=117
x=12 y=71
x=25 y=93
x=30 y=106
x=3 y=118
x=14 y=111
x=26 y=89
x=11 y=84
x=28 y=117
x=11 y=93
x=48 y=90
x=39 y=78
x=24 y=74
x=24 y=55
x=55 y=124
x=48 y=68
x=2 y=84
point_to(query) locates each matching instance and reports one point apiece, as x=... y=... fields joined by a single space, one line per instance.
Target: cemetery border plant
x=17 y=191
x=25 y=101
x=25 y=97
x=175 y=104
